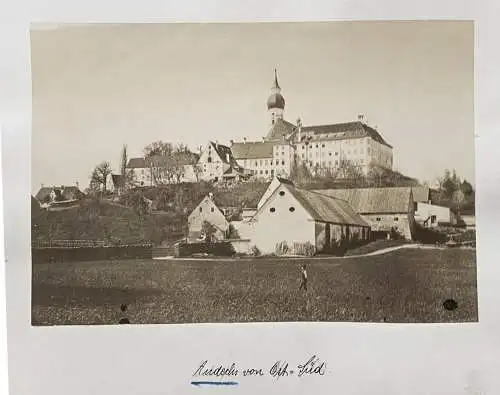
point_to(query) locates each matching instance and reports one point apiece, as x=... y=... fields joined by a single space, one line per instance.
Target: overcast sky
x=98 y=87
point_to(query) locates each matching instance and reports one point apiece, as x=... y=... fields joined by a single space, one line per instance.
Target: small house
x=429 y=214
x=216 y=163
x=207 y=212
x=54 y=194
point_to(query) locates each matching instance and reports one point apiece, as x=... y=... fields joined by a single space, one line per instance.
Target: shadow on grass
x=64 y=295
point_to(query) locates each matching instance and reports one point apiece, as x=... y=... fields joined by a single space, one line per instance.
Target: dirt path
x=378 y=252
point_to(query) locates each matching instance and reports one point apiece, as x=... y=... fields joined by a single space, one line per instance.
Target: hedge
x=52 y=255
x=222 y=248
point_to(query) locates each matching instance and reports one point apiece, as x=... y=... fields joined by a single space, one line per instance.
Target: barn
x=297 y=217
x=389 y=211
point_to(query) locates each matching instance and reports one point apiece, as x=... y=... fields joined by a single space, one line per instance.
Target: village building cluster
x=326 y=219
x=321 y=148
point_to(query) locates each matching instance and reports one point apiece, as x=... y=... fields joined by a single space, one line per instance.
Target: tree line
x=166 y=163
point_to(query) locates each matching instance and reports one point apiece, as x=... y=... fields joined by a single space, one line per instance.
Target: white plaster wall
x=215 y=217
x=269 y=191
x=425 y=210
x=403 y=223
x=271 y=228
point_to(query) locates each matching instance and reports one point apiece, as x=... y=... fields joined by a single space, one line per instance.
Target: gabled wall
x=212 y=166
x=270 y=228
x=207 y=211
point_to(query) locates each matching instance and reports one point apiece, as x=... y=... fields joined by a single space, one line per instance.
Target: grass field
x=408 y=285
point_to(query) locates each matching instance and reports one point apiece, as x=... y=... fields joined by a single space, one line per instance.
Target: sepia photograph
x=187 y=173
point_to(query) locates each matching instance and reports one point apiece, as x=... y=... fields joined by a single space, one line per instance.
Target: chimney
x=361 y=117
x=211 y=196
x=41 y=185
x=231 y=141
x=77 y=184
x=244 y=140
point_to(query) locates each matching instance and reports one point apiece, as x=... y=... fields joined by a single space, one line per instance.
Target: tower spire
x=275 y=102
x=276 y=85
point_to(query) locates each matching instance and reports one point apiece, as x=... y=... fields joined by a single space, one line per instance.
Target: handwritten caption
x=313 y=366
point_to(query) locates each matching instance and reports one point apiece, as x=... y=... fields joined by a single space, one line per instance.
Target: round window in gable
x=282 y=193
x=292 y=209
x=272 y=209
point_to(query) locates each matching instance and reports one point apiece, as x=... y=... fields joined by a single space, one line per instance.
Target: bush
x=281 y=248
x=306 y=249
x=395 y=235
x=254 y=251
x=232 y=232
x=222 y=248
x=428 y=235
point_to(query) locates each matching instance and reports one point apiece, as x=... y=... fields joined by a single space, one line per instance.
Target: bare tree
x=197 y=169
x=158 y=148
x=208 y=230
x=99 y=176
x=458 y=198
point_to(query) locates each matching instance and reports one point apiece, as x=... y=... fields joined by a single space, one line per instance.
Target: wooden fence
x=67 y=243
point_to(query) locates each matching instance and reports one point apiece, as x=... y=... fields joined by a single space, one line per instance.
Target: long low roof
x=252 y=150
x=327 y=209
x=373 y=200
x=421 y=194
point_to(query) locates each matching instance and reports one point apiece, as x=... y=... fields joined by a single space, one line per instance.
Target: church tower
x=275 y=102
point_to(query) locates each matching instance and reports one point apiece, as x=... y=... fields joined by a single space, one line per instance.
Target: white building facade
x=320 y=148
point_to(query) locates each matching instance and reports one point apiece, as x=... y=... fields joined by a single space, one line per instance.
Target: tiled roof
x=420 y=194
x=345 y=130
x=224 y=153
x=284 y=180
x=255 y=150
x=373 y=200
x=71 y=192
x=136 y=163
x=280 y=129
x=67 y=192
x=43 y=193
x=327 y=209
x=177 y=159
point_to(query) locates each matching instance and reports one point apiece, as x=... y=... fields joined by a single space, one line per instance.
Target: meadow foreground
x=408 y=285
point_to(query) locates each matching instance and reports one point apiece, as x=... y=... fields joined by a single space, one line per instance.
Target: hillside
x=186 y=196
x=100 y=220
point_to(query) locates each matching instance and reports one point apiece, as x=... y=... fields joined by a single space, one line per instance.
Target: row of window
x=348 y=141
x=263 y=172
x=348 y=152
x=396 y=219
x=336 y=162
x=265 y=162
x=211 y=209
